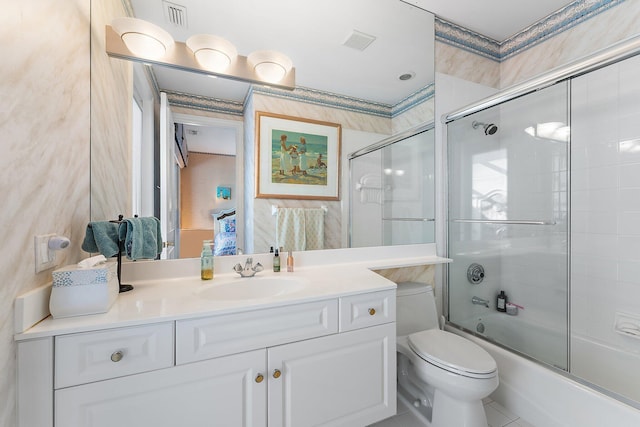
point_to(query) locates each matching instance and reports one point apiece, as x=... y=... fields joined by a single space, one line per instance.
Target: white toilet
x=444 y=375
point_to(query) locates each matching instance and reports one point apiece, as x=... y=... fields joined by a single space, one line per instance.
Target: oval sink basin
x=252 y=288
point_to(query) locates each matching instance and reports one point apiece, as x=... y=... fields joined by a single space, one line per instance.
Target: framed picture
x=297 y=158
x=223 y=193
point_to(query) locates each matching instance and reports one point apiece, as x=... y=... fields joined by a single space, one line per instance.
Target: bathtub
x=546 y=398
x=541 y=342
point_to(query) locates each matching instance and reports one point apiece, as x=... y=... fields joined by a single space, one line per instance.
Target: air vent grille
x=175 y=14
x=358 y=40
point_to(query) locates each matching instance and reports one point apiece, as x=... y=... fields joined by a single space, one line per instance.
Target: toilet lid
x=453 y=353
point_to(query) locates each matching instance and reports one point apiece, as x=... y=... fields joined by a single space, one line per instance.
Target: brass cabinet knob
x=117 y=356
x=277 y=373
x=259 y=378
x=372 y=311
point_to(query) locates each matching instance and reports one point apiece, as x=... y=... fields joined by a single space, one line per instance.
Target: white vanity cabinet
x=320 y=363
x=216 y=392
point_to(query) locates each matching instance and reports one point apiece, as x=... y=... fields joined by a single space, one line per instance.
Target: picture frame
x=223 y=193
x=297 y=158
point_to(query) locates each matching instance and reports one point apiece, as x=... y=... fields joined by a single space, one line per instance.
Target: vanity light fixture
x=141 y=41
x=143 y=38
x=270 y=65
x=213 y=53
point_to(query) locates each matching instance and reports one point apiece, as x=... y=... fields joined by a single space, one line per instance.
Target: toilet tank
x=415 y=308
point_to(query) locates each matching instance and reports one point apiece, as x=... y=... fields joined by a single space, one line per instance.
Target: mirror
x=362 y=90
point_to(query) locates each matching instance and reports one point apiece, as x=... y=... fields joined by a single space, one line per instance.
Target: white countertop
x=168 y=299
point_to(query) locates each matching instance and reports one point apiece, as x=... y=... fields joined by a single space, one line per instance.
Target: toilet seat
x=453 y=353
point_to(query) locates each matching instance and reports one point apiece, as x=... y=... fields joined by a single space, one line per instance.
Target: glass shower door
x=508 y=223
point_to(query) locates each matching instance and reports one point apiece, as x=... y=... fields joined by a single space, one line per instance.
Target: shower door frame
x=616 y=53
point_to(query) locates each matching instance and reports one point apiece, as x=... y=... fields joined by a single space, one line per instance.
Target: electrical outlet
x=45 y=258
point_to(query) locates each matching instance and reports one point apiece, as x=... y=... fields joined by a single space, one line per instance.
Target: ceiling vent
x=359 y=41
x=175 y=14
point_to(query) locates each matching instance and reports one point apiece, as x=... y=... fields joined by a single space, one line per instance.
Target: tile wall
x=44 y=167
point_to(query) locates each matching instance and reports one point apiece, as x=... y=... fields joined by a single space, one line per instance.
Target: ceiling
x=496 y=19
x=312 y=34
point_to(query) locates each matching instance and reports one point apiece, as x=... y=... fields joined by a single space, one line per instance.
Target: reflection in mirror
x=392 y=190
x=359 y=89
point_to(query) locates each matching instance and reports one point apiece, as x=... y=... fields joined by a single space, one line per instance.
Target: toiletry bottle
x=206 y=260
x=289 y=262
x=501 y=302
x=276 y=262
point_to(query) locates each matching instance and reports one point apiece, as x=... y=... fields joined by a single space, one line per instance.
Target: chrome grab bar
x=409 y=219
x=503 y=221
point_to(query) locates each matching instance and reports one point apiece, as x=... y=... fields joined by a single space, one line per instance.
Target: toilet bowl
x=439 y=368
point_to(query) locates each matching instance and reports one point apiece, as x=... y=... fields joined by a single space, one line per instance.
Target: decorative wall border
x=326 y=99
x=204 y=103
x=413 y=100
x=559 y=21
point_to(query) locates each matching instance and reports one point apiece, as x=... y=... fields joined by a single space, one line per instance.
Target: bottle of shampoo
x=276 y=262
x=290 y=262
x=206 y=260
x=501 y=302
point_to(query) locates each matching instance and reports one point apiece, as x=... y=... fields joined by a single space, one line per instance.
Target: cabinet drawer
x=93 y=356
x=209 y=337
x=360 y=311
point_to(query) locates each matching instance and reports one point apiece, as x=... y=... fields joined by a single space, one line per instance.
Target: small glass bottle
x=501 y=302
x=290 y=262
x=276 y=262
x=206 y=260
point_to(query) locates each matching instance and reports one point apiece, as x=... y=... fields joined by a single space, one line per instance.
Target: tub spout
x=480 y=301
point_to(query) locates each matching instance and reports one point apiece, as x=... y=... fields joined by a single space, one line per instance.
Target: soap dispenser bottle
x=501 y=302
x=206 y=260
x=276 y=262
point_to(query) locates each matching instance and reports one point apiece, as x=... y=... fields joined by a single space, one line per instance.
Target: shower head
x=489 y=128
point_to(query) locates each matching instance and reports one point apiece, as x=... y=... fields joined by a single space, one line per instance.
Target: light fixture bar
x=180 y=57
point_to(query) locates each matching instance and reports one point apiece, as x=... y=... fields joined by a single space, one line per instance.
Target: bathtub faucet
x=480 y=301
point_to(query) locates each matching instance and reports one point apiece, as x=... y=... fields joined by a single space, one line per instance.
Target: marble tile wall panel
x=469 y=66
x=599 y=32
x=419 y=114
x=111 y=95
x=44 y=168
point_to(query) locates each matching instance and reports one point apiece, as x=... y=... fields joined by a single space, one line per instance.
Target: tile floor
x=497 y=416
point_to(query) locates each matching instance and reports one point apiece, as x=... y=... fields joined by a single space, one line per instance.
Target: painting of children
x=291 y=160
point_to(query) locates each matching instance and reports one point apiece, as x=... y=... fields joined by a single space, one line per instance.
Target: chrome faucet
x=480 y=301
x=249 y=270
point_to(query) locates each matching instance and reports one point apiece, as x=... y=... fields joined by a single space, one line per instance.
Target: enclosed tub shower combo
x=544 y=220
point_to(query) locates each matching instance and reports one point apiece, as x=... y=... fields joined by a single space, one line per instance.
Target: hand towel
x=290 y=229
x=101 y=237
x=142 y=237
x=314 y=229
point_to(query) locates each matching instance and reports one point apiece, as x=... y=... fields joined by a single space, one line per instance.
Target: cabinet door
x=347 y=379
x=220 y=392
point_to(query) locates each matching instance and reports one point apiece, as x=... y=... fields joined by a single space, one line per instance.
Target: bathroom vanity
x=319 y=351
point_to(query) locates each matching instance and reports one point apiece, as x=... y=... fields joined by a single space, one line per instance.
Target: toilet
x=445 y=376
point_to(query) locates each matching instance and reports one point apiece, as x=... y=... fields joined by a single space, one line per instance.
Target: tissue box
x=77 y=291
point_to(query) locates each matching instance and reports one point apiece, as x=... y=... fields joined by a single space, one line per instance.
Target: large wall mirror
x=368 y=68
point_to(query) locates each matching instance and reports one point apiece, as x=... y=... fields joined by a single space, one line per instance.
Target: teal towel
x=142 y=237
x=101 y=237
